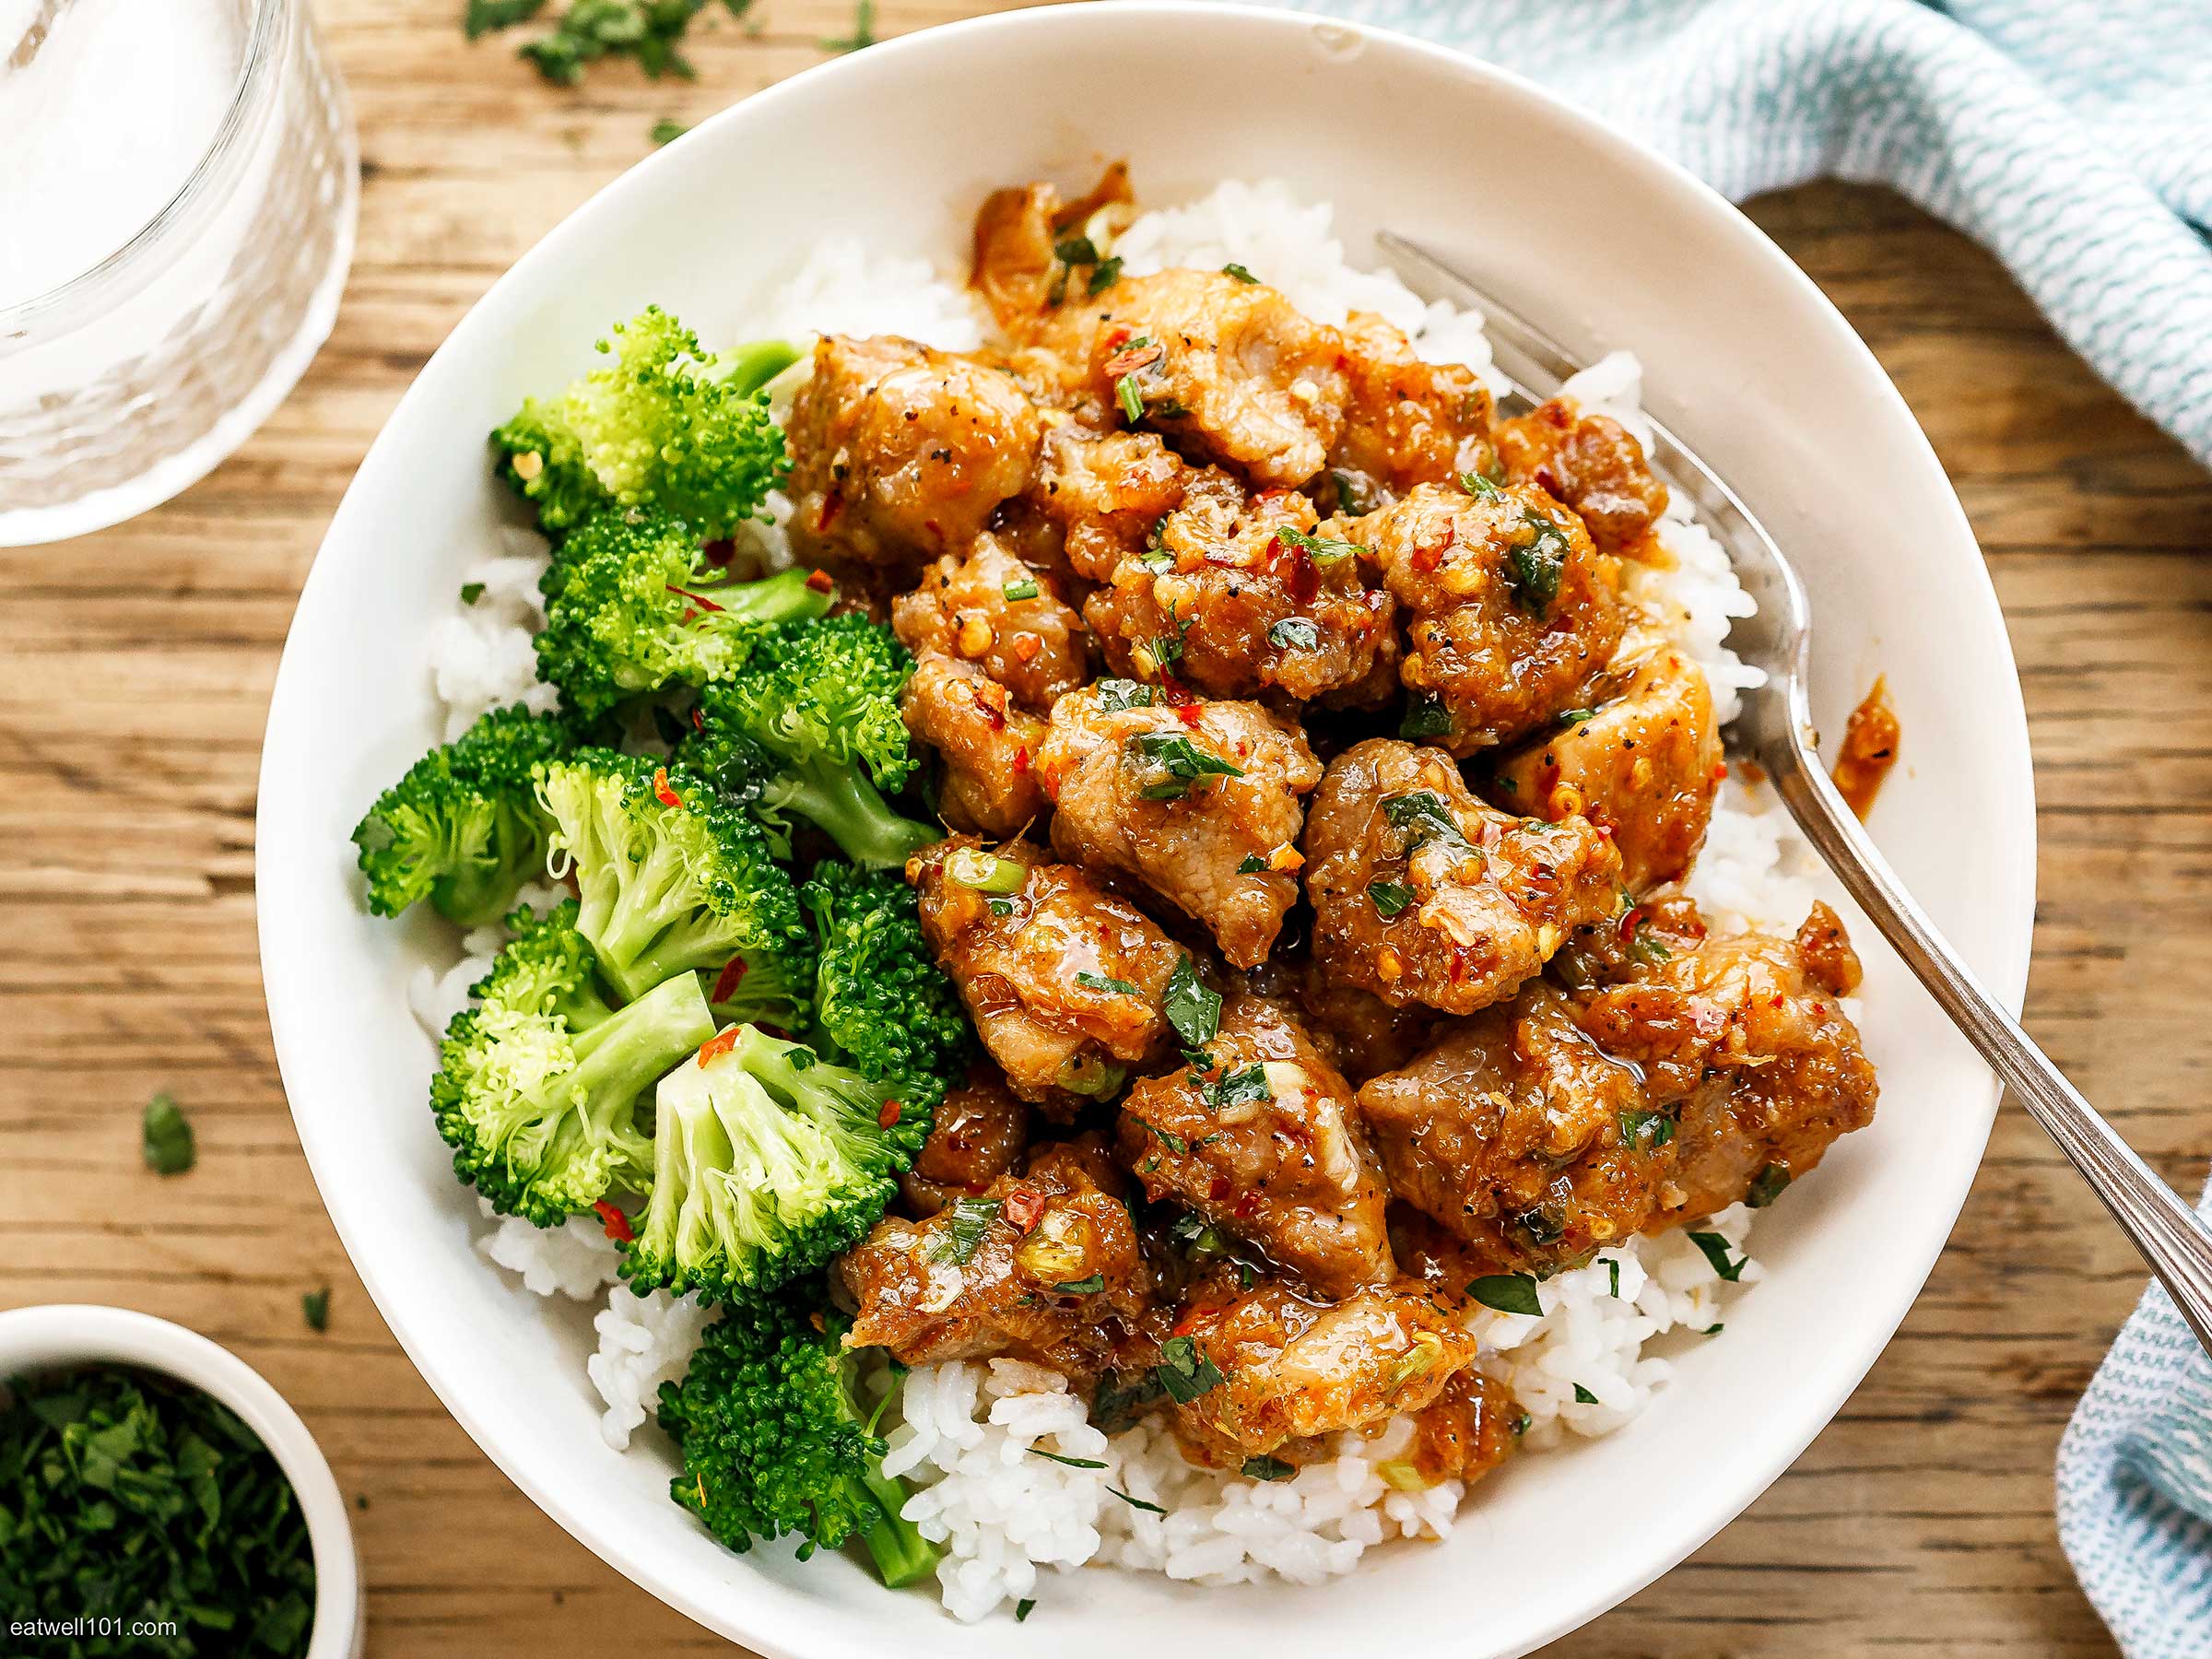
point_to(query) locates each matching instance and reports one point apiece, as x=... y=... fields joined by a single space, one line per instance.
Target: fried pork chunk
x=989 y=608
x=992 y=1275
x=1590 y=463
x=1465 y=1431
x=1743 y=1039
x=1065 y=981
x=1236 y=596
x=1512 y=612
x=899 y=454
x=979 y=1132
x=1423 y=894
x=1107 y=493
x=1293 y=1369
x=1406 y=422
x=988 y=743
x=1523 y=1138
x=1643 y=765
x=1265 y=1142
x=1199 y=801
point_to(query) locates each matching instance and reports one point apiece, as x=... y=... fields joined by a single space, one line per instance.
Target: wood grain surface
x=134 y=671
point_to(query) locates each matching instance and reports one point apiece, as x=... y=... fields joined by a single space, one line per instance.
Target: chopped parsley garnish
x=664 y=131
x=1000 y=907
x=1167 y=648
x=1184 y=762
x=1193 y=1009
x=314 y=1306
x=1646 y=1131
x=1647 y=946
x=1570 y=717
x=1082 y=1286
x=1239 y=272
x=1105 y=981
x=1476 y=484
x=1073 y=1463
x=1766 y=1185
x=1424 y=817
x=1105 y=274
x=1238 y=1088
x=1355 y=494
x=1136 y=1502
x=165 y=1139
x=1119 y=694
x=1613 y=1278
x=1542 y=1224
x=124 y=1493
x=1294 y=633
x=1024 y=589
x=1267 y=1469
x=1121 y=1399
x=1169 y=1139
x=1522 y=1423
x=1716 y=1252
x=1507 y=1292
x=1389 y=897
x=1023 y=1607
x=967 y=1222
x=1075 y=250
x=1713 y=1330
x=1324 y=549
x=471 y=591
x=1252 y=865
x=1583 y=1396
x=864 y=29
x=1425 y=717
x=1533 y=568
x=1184 y=1371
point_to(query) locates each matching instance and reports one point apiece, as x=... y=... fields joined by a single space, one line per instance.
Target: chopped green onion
x=1239 y=272
x=1073 y=1463
x=1087 y=1075
x=166 y=1139
x=1136 y=1502
x=1646 y=1131
x=1294 y=633
x=1130 y=398
x=967 y=1223
x=986 y=872
x=1266 y=1468
x=1401 y=1475
x=1024 y=589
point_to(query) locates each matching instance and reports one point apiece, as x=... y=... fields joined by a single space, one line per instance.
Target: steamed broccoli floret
x=775 y=1440
x=768 y=1160
x=879 y=1000
x=810 y=725
x=661 y=425
x=539 y=1083
x=631 y=606
x=463 y=828
x=674 y=880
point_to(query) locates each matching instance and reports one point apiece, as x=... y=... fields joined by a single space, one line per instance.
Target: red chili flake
x=889 y=1115
x=1216 y=1189
x=1131 y=360
x=1546 y=481
x=1557 y=413
x=729 y=979
x=691 y=615
x=1194 y=1317
x=1303 y=579
x=668 y=796
x=1174 y=690
x=1021 y=760
x=615 y=1221
x=821 y=582
x=832 y=504
x=997 y=716
x=1820 y=1010
x=700 y=600
x=718 y=552
x=1720 y=771
x=1630 y=919
x=1023 y=1206
x=1248 y=1206
x=1118 y=337
x=717 y=1045
x=1777 y=1001
x=698 y=721
x=1188 y=712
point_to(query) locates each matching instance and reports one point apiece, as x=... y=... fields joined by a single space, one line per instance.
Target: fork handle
x=2172 y=1237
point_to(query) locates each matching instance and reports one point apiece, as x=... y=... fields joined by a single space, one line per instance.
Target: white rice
x=968 y=1430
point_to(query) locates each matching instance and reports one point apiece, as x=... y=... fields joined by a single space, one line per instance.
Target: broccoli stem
x=747 y=368
x=784 y=597
x=899 y=1551
x=844 y=805
x=620 y=1057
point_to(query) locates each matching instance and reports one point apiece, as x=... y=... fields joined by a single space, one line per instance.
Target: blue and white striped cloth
x=2073 y=137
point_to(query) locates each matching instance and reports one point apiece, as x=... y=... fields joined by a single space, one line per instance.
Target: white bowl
x=1576 y=226
x=66 y=1336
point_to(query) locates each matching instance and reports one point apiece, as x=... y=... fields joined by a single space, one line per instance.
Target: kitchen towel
x=2073 y=137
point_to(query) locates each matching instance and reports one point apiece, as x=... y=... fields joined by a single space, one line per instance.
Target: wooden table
x=137 y=669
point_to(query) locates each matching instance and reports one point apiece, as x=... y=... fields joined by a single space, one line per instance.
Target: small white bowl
x=68 y=1336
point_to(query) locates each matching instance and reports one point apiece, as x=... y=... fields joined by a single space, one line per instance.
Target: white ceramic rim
x=786 y=1630
x=66 y=1335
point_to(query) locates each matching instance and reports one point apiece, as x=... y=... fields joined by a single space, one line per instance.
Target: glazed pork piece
x=1065 y=981
x=1643 y=765
x=1423 y=894
x=987 y=742
x=1406 y=421
x=1511 y=611
x=1292 y=1370
x=1590 y=463
x=899 y=453
x=1465 y=1431
x=1523 y=1138
x=1200 y=801
x=1044 y=1266
x=1106 y=493
x=1265 y=1142
x=1235 y=596
x=977 y=1132
x=989 y=608
x=1744 y=1039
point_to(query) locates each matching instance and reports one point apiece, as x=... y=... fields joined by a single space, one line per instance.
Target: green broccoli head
x=463 y=828
x=810 y=725
x=631 y=606
x=775 y=1442
x=880 y=1001
x=674 y=879
x=539 y=1084
x=660 y=425
x=768 y=1160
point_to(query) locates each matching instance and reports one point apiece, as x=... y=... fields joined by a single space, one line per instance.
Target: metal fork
x=1775 y=729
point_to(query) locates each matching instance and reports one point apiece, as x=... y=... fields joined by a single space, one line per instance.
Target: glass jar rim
x=77 y=293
